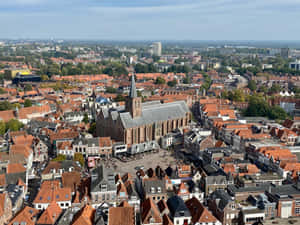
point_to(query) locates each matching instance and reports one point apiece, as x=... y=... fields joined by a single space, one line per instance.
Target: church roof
x=155 y=113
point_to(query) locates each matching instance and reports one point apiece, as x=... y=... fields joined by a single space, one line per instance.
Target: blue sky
x=151 y=19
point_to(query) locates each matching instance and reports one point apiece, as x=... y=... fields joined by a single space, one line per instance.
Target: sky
x=150 y=19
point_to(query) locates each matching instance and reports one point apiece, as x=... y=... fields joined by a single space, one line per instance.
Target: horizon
x=189 y=20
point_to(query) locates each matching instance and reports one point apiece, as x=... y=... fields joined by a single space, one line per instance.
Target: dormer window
x=159 y=189
x=152 y=190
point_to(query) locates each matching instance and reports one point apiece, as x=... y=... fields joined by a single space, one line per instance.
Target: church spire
x=132 y=93
x=133 y=102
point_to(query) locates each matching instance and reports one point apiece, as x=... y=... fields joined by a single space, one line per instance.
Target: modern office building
x=295 y=65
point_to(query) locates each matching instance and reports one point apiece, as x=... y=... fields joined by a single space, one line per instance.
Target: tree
x=2 y=91
x=85 y=118
x=275 y=89
x=59 y=158
x=119 y=98
x=14 y=125
x=111 y=90
x=2 y=127
x=5 y=105
x=44 y=77
x=172 y=83
x=257 y=106
x=160 y=80
x=252 y=85
x=276 y=112
x=79 y=158
x=237 y=95
x=263 y=89
x=28 y=87
x=27 y=103
x=187 y=80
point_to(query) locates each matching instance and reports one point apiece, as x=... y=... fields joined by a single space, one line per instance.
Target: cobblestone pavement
x=163 y=158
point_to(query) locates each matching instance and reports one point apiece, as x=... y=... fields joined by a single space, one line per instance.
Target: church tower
x=133 y=102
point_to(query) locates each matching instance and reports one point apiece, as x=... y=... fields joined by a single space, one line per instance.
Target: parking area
x=163 y=158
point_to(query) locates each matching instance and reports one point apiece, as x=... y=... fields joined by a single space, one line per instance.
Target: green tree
x=111 y=90
x=2 y=91
x=275 y=89
x=172 y=83
x=14 y=125
x=187 y=80
x=263 y=89
x=160 y=80
x=2 y=127
x=28 y=87
x=79 y=157
x=276 y=112
x=44 y=77
x=257 y=106
x=27 y=103
x=85 y=118
x=59 y=158
x=252 y=85
x=119 y=98
x=5 y=105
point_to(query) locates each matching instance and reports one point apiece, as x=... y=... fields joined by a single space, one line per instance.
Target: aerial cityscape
x=149 y=112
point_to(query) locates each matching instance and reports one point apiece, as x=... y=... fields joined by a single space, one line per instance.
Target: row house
x=40 y=150
x=103 y=187
x=50 y=215
x=93 y=147
x=28 y=113
x=285 y=135
x=51 y=191
x=154 y=188
x=240 y=138
x=65 y=148
x=123 y=214
x=27 y=216
x=54 y=170
x=126 y=192
x=223 y=207
x=200 y=214
x=291 y=169
x=5 y=208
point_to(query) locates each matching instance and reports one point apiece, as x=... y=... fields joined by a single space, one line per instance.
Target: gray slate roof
x=177 y=207
x=222 y=198
x=102 y=175
x=87 y=141
x=148 y=184
x=155 y=113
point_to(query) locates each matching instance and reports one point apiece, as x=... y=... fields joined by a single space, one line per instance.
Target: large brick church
x=139 y=122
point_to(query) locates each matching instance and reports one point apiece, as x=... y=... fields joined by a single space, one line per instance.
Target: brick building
x=142 y=122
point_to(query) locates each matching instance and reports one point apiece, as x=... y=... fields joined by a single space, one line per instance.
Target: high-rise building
x=285 y=52
x=156 y=48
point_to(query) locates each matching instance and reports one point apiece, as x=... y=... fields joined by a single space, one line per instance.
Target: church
x=139 y=122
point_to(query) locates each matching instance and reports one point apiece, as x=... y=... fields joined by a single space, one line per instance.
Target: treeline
x=112 y=69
